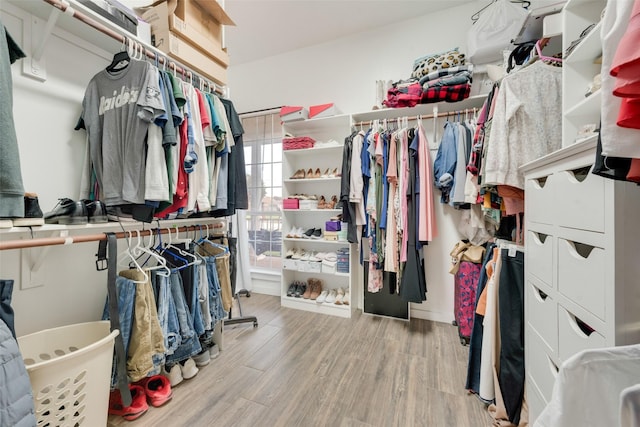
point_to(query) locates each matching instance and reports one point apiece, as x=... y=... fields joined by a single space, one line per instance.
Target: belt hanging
x=114 y=315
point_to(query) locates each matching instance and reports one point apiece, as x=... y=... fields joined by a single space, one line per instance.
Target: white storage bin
x=581 y=201
x=328 y=267
x=539 y=256
x=314 y=267
x=70 y=372
x=540 y=191
x=290 y=264
x=545 y=320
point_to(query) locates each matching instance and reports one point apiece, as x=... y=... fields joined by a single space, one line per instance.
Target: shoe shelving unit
x=323 y=157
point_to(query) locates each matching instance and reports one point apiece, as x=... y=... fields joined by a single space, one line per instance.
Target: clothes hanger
x=545 y=58
x=161 y=249
x=121 y=59
x=476 y=15
x=128 y=254
x=161 y=263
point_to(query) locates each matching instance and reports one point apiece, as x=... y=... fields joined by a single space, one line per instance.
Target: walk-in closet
x=319 y=213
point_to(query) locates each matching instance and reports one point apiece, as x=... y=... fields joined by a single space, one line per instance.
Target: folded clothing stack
x=435 y=78
x=297 y=143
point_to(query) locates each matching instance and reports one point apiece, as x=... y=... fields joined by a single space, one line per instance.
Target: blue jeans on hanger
x=196 y=310
x=6 y=311
x=215 y=292
x=189 y=345
x=167 y=315
x=126 y=300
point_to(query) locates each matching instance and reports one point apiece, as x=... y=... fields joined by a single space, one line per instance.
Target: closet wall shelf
x=315 y=150
x=313 y=180
x=588 y=49
x=317 y=273
x=328 y=242
x=311 y=126
x=312 y=210
x=588 y=107
x=420 y=109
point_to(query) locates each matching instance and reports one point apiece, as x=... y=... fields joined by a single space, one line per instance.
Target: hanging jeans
x=475 y=344
x=511 y=315
x=196 y=309
x=6 y=311
x=215 y=295
x=189 y=344
x=167 y=315
x=126 y=299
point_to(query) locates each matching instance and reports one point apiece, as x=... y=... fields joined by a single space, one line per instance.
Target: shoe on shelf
x=345 y=299
x=96 y=211
x=292 y=233
x=322 y=297
x=297 y=254
x=305 y=255
x=311 y=283
x=291 y=290
x=317 y=233
x=158 y=390
x=290 y=253
x=326 y=173
x=322 y=203
x=188 y=368
x=339 y=296
x=317 y=173
x=67 y=212
x=309 y=173
x=134 y=411
x=331 y=297
x=307 y=234
x=300 y=289
x=316 y=291
x=299 y=233
x=174 y=375
x=203 y=358
x=32 y=212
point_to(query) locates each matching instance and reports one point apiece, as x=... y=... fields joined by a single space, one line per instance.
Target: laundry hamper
x=70 y=372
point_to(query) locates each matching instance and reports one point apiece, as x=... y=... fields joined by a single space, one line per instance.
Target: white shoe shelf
x=324 y=157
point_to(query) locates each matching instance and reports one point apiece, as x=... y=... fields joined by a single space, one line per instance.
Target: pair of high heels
x=323 y=204
x=311 y=174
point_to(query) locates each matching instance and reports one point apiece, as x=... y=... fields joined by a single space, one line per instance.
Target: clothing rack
x=152 y=53
x=422 y=116
x=53 y=241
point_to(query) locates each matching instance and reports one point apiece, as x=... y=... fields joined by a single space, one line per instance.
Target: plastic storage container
x=70 y=372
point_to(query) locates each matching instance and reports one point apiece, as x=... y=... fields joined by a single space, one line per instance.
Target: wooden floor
x=304 y=369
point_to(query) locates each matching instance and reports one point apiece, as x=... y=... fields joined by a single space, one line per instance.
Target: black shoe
x=32 y=212
x=292 y=289
x=307 y=234
x=300 y=289
x=96 y=211
x=67 y=212
x=317 y=233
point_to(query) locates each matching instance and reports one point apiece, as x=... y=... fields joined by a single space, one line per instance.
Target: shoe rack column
x=311 y=187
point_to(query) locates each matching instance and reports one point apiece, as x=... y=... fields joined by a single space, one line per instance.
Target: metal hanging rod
x=65 y=7
x=54 y=241
x=419 y=117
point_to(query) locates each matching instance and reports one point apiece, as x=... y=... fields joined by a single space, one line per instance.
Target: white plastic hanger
x=161 y=263
x=128 y=255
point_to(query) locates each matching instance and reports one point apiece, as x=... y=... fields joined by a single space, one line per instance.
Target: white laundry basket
x=70 y=372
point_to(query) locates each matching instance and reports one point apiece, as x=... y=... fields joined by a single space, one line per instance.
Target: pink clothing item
x=627 y=53
x=427 y=229
x=629 y=115
x=404 y=183
x=513 y=199
x=378 y=149
x=391 y=246
x=627 y=83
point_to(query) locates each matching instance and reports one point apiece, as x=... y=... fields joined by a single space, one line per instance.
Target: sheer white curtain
x=239 y=230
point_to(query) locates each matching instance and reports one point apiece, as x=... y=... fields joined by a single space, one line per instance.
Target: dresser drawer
x=541 y=369
x=575 y=335
x=535 y=402
x=539 y=197
x=539 y=256
x=580 y=196
x=542 y=316
x=581 y=275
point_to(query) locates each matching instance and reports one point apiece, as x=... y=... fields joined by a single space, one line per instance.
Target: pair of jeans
x=189 y=343
x=196 y=309
x=126 y=290
x=215 y=295
x=6 y=311
x=167 y=315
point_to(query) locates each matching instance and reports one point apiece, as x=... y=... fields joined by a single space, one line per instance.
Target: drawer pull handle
x=541 y=296
x=540 y=237
x=541 y=182
x=580 y=325
x=581 y=249
x=552 y=367
x=580 y=174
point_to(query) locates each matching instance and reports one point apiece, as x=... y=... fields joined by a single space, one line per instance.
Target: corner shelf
x=307 y=180
x=588 y=49
x=588 y=107
x=328 y=242
x=314 y=150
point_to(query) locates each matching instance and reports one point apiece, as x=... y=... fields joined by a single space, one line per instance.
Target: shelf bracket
x=31 y=262
x=48 y=28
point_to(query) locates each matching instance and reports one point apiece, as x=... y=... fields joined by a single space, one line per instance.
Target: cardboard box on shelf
x=200 y=26
x=184 y=52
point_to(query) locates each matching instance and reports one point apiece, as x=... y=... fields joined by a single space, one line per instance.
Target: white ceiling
x=269 y=27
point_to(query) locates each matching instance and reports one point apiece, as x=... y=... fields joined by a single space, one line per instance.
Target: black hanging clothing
x=413 y=287
x=348 y=209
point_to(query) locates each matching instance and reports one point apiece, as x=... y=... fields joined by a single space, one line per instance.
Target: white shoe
x=202 y=359
x=345 y=300
x=322 y=297
x=214 y=351
x=331 y=297
x=174 y=375
x=189 y=369
x=339 y=296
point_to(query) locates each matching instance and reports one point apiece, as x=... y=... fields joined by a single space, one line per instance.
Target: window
x=263 y=160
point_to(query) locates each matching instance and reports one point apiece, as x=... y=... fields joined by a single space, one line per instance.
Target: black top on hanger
x=120 y=61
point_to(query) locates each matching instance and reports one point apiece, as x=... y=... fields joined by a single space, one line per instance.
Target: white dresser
x=582 y=269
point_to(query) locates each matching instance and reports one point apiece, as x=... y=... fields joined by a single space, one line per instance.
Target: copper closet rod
x=422 y=116
x=121 y=38
x=53 y=241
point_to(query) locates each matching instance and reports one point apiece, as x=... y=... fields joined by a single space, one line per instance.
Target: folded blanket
x=452 y=93
x=446 y=72
x=454 y=79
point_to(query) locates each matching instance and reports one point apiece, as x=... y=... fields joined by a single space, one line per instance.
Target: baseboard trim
x=436 y=316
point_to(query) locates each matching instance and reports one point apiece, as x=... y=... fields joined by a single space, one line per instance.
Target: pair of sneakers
x=334 y=296
x=154 y=391
x=184 y=370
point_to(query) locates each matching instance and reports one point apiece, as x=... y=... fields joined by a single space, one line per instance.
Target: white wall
x=344 y=72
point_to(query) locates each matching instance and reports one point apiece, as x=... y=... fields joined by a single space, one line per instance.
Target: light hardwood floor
x=304 y=369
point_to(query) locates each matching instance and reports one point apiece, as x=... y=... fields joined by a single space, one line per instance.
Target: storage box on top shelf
x=200 y=23
x=291 y=203
x=293 y=113
x=322 y=110
x=115 y=12
x=332 y=226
